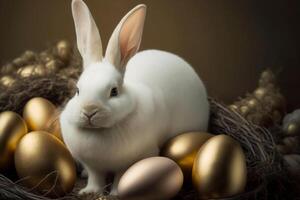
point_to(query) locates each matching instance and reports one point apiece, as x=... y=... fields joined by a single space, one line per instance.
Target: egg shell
x=37 y=112
x=154 y=178
x=26 y=71
x=12 y=129
x=183 y=149
x=64 y=50
x=292 y=129
x=260 y=92
x=7 y=81
x=220 y=168
x=252 y=103
x=40 y=70
x=43 y=162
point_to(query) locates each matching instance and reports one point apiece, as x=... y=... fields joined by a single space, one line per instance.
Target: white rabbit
x=127 y=105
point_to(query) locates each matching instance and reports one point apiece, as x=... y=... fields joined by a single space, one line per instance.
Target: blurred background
x=228 y=42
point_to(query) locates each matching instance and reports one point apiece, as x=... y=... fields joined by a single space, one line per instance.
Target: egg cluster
x=266 y=105
x=215 y=164
x=60 y=59
x=33 y=144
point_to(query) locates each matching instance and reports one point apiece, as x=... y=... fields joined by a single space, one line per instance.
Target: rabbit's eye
x=114 y=92
x=77 y=90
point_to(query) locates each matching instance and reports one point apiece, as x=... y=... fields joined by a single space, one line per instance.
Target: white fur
x=160 y=96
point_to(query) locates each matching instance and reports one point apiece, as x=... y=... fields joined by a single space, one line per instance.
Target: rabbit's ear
x=88 y=37
x=126 y=38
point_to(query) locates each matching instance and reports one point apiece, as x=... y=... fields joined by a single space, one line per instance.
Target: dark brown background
x=228 y=42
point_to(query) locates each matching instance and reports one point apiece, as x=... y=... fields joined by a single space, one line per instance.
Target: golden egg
x=52 y=65
x=18 y=61
x=233 y=107
x=40 y=70
x=293 y=129
x=28 y=56
x=45 y=56
x=252 y=103
x=220 y=168
x=154 y=178
x=63 y=50
x=260 y=92
x=183 y=149
x=7 y=81
x=244 y=110
x=43 y=162
x=12 y=129
x=31 y=70
x=37 y=112
x=26 y=71
x=267 y=77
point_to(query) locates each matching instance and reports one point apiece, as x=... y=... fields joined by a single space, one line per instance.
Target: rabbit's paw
x=114 y=192
x=91 y=189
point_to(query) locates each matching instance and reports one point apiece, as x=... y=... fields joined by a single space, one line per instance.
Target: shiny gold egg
x=43 y=162
x=233 y=107
x=40 y=70
x=18 y=61
x=63 y=50
x=252 y=103
x=45 y=56
x=183 y=149
x=244 y=110
x=220 y=168
x=53 y=65
x=7 y=81
x=260 y=92
x=267 y=77
x=28 y=56
x=293 y=129
x=12 y=129
x=26 y=71
x=31 y=70
x=37 y=112
x=154 y=178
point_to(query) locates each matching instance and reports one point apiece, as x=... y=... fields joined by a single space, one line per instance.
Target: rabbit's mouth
x=91 y=127
x=94 y=124
x=95 y=121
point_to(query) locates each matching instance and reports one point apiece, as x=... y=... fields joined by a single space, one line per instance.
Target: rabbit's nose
x=90 y=110
x=89 y=115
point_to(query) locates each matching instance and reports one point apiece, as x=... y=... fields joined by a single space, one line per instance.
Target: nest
x=266 y=172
